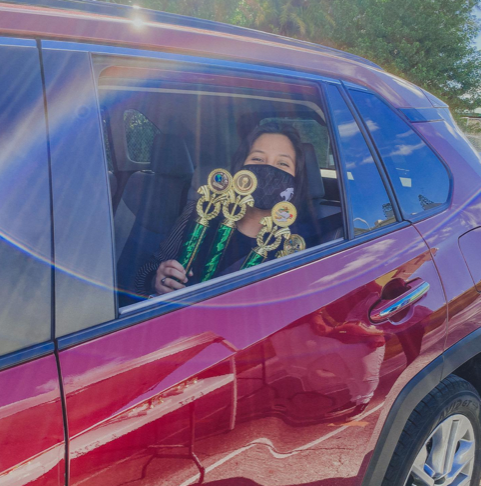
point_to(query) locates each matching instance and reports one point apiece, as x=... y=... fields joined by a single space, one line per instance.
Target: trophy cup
x=292 y=244
x=275 y=227
x=234 y=207
x=208 y=207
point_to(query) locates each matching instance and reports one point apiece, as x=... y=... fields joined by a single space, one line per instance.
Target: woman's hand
x=170 y=276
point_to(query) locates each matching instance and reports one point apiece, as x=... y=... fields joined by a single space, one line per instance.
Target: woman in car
x=273 y=152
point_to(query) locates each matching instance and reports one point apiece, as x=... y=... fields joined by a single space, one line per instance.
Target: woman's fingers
x=170 y=276
x=164 y=284
x=174 y=272
x=171 y=284
x=176 y=265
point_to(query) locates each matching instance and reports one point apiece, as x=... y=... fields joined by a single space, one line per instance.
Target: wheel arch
x=462 y=359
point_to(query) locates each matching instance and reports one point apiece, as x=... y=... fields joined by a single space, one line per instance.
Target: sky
x=478 y=39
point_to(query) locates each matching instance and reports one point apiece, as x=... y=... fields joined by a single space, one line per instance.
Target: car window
x=197 y=139
x=311 y=131
x=419 y=178
x=25 y=228
x=369 y=204
x=140 y=133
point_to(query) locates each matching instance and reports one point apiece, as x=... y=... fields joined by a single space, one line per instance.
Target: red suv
x=329 y=333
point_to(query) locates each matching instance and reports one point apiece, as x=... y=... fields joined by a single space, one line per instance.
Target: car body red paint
x=252 y=386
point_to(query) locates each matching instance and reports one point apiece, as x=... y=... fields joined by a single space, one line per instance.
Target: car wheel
x=440 y=444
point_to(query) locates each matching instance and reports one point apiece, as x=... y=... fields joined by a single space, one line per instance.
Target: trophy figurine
x=208 y=207
x=293 y=244
x=234 y=207
x=275 y=227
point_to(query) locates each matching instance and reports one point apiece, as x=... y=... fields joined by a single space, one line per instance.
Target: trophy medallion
x=219 y=181
x=234 y=207
x=293 y=244
x=275 y=228
x=284 y=214
x=245 y=182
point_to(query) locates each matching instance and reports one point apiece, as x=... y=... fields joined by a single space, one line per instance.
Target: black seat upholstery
x=151 y=202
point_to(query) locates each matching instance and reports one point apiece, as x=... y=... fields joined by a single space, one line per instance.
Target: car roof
x=112 y=24
x=126 y=11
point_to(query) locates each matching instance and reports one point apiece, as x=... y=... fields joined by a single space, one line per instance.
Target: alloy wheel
x=447 y=456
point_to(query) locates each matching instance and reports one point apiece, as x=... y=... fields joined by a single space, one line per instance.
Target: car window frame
x=407 y=115
x=377 y=161
x=151 y=308
x=41 y=349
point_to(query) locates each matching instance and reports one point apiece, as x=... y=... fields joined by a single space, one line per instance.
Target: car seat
x=151 y=202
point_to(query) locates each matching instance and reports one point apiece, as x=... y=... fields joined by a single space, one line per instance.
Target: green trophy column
x=191 y=246
x=253 y=259
x=234 y=207
x=208 y=207
x=221 y=241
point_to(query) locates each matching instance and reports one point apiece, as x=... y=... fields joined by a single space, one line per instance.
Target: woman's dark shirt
x=239 y=247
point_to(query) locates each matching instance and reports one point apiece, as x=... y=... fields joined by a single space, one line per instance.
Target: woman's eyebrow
x=254 y=151
x=287 y=155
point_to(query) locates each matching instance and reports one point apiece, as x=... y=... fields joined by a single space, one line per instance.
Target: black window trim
x=413 y=126
x=374 y=154
x=26 y=354
x=341 y=173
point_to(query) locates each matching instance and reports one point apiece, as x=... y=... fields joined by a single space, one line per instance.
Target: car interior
x=164 y=135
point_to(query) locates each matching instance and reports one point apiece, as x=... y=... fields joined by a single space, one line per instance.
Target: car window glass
x=419 y=178
x=25 y=228
x=188 y=134
x=140 y=133
x=369 y=203
x=311 y=131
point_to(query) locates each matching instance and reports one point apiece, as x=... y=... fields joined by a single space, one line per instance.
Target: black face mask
x=273 y=185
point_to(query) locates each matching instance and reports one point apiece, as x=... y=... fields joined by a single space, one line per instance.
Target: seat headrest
x=316 y=186
x=206 y=164
x=170 y=157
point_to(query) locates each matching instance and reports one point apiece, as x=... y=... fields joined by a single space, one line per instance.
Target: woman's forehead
x=276 y=142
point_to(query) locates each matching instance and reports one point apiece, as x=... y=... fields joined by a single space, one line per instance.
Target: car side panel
x=31 y=425
x=171 y=383
x=442 y=231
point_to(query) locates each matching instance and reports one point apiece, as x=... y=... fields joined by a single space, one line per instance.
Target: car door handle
x=385 y=311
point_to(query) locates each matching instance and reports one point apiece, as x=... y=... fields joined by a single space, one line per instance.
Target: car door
x=32 y=446
x=313 y=392
x=270 y=375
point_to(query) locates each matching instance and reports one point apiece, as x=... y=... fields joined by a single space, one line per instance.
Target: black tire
x=451 y=397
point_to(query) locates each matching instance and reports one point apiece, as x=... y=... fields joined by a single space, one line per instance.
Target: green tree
x=429 y=42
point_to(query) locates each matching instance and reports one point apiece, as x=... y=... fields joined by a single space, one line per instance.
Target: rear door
x=32 y=447
x=271 y=375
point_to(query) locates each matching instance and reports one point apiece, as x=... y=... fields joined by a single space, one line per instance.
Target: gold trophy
x=208 y=207
x=293 y=244
x=275 y=227
x=234 y=207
